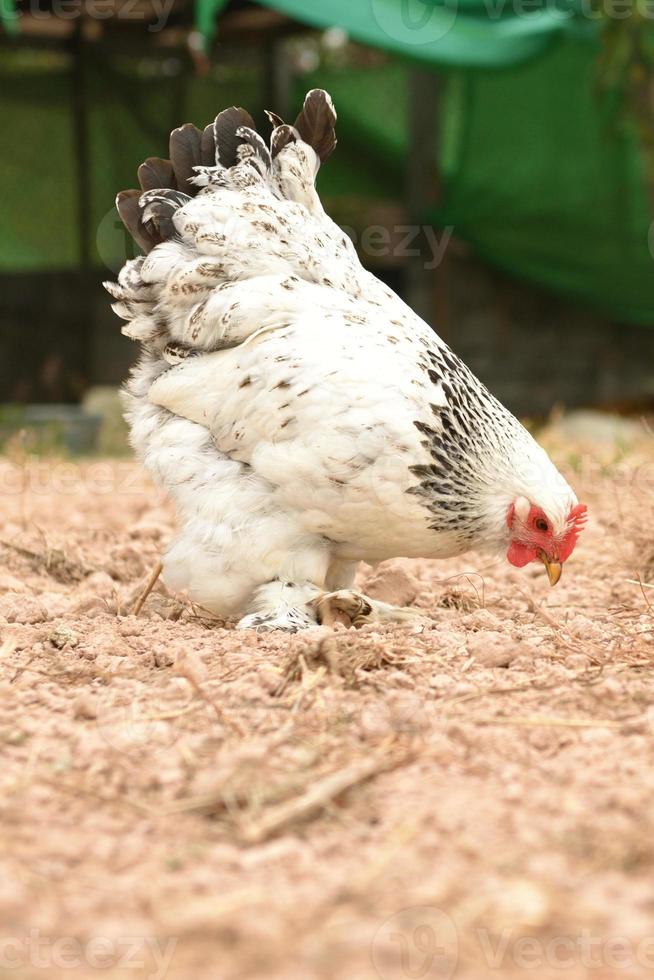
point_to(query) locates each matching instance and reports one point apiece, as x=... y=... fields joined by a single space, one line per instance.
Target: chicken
x=301 y=417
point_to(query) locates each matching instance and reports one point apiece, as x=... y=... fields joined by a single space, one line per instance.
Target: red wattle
x=520 y=554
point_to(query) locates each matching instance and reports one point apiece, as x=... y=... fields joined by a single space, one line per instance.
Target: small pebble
x=85 y=708
x=492 y=649
x=63 y=636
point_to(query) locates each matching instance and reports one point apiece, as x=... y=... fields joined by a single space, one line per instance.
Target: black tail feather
x=158 y=208
x=129 y=209
x=251 y=138
x=155 y=172
x=282 y=136
x=316 y=123
x=208 y=147
x=149 y=221
x=185 y=153
x=225 y=129
x=275 y=120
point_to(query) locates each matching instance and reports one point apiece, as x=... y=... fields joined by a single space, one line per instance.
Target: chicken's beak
x=554 y=568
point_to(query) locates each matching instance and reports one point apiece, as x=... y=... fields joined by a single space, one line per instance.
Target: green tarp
x=8 y=18
x=471 y=33
x=536 y=173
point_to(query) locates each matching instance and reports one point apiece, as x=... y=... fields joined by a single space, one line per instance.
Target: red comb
x=578 y=516
x=576 y=522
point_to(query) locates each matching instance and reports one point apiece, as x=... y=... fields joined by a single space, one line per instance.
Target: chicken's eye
x=541 y=524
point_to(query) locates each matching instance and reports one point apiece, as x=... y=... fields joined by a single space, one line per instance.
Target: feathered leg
x=283 y=606
x=287 y=606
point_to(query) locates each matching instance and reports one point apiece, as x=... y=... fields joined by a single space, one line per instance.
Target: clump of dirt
x=443 y=798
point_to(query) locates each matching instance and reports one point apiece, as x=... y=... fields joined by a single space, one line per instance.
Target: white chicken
x=301 y=417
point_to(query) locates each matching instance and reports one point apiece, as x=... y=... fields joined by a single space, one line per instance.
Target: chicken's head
x=537 y=537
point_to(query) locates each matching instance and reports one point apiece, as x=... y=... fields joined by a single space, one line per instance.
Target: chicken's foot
x=355 y=609
x=291 y=607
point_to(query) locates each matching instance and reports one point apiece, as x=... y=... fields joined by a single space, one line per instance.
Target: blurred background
x=495 y=166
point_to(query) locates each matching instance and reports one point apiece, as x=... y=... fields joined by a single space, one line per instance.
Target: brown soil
x=470 y=796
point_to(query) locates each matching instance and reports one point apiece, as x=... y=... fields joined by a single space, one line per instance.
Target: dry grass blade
x=487 y=691
x=642 y=585
x=546 y=722
x=80 y=791
x=55 y=562
x=325 y=654
x=318 y=796
x=538 y=610
x=149 y=586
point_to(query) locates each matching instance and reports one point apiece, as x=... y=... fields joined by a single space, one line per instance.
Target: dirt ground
x=470 y=796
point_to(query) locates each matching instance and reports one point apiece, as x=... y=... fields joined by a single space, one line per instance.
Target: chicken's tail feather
x=213 y=247
x=226 y=135
x=316 y=124
x=149 y=223
x=228 y=142
x=150 y=220
x=186 y=153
